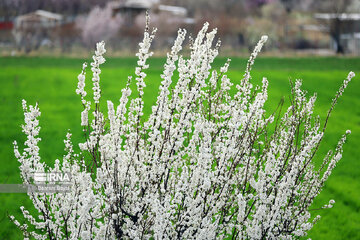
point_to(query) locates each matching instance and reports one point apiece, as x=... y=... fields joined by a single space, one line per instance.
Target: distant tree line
x=12 y=8
x=239 y=8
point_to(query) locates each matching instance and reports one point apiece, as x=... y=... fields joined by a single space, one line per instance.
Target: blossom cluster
x=205 y=164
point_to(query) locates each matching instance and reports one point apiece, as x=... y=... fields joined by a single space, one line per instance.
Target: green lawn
x=52 y=81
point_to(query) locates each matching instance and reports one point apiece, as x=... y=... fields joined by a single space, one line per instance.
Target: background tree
x=99 y=25
x=336 y=25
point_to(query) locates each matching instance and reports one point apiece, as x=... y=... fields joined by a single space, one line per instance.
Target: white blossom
x=205 y=164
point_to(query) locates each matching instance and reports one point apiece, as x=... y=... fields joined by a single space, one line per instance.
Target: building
x=132 y=8
x=34 y=29
x=39 y=18
x=344 y=30
x=5 y=32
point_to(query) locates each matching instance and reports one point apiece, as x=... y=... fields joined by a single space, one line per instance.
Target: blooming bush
x=204 y=164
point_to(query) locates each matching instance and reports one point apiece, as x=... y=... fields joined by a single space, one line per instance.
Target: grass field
x=52 y=81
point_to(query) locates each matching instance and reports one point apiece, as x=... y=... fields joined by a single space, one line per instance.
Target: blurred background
x=68 y=27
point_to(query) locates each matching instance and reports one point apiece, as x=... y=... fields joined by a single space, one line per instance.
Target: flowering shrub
x=204 y=164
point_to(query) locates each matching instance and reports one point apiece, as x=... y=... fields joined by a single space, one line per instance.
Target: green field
x=52 y=81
